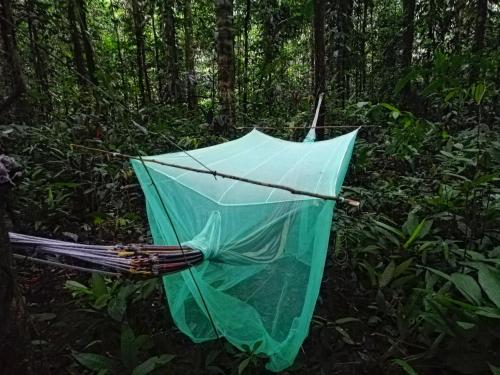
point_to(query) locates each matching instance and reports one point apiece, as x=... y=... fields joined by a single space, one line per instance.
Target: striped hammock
x=136 y=259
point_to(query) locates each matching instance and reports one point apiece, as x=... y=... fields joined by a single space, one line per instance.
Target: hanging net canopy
x=264 y=248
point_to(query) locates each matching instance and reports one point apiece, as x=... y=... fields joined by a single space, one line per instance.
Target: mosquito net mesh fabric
x=265 y=248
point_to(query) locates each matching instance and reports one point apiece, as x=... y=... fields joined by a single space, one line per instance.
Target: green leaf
x=101 y=301
x=128 y=349
x=451 y=94
x=405 y=366
x=402 y=267
x=468 y=286
x=439 y=273
x=489 y=312
x=389 y=107
x=479 y=91
x=415 y=234
x=386 y=276
x=243 y=365
x=116 y=308
x=372 y=275
x=466 y=325
x=152 y=363
x=410 y=223
x=389 y=228
x=98 y=285
x=489 y=279
x=95 y=362
x=75 y=286
x=256 y=346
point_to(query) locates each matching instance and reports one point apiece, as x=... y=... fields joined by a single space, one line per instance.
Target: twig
x=225 y=175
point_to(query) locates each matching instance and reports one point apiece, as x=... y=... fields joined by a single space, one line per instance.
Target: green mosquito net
x=264 y=248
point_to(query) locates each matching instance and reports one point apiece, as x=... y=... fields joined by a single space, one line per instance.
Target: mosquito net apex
x=264 y=248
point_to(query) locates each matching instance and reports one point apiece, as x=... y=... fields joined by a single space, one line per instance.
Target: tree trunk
x=120 y=53
x=430 y=31
x=87 y=44
x=77 y=47
x=408 y=36
x=37 y=57
x=481 y=18
x=173 y=92
x=362 y=83
x=408 y=33
x=188 y=49
x=245 y=59
x=14 y=344
x=225 y=61
x=138 y=23
x=11 y=72
x=270 y=48
x=319 y=62
x=372 y=54
x=159 y=81
x=344 y=19
x=311 y=58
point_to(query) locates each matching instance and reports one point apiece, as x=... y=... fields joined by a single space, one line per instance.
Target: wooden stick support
x=318 y=107
x=223 y=175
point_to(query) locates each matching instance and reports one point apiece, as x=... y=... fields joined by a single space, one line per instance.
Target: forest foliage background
x=412 y=281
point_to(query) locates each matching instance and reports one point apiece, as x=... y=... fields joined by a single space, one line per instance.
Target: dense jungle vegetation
x=412 y=280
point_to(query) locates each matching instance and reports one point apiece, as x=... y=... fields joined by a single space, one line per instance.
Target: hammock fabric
x=136 y=259
x=264 y=248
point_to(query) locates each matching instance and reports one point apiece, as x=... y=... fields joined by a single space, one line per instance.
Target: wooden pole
x=223 y=175
x=316 y=115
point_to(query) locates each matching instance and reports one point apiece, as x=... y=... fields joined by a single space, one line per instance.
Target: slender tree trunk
x=11 y=71
x=225 y=61
x=479 y=33
x=319 y=61
x=457 y=26
x=430 y=30
x=408 y=37
x=363 y=47
x=481 y=18
x=188 y=49
x=173 y=92
x=270 y=48
x=408 y=32
x=138 y=21
x=344 y=9
x=77 y=47
x=38 y=59
x=157 y=54
x=87 y=44
x=122 y=69
x=245 y=59
x=372 y=59
x=311 y=59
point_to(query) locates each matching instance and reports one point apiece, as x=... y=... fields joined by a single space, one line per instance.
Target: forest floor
x=343 y=339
